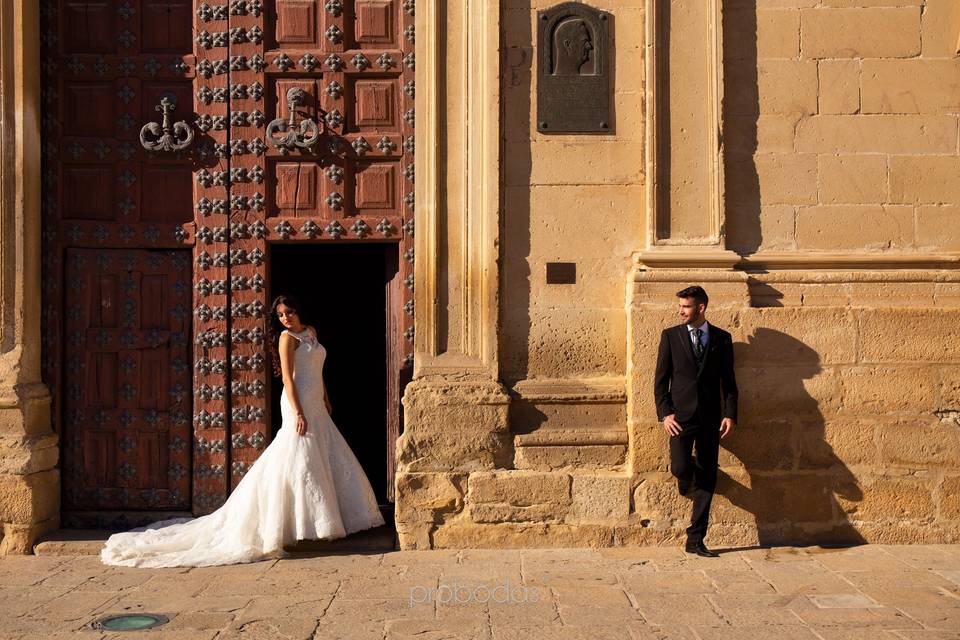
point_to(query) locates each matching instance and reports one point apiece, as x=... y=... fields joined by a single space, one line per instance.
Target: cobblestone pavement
x=869 y=592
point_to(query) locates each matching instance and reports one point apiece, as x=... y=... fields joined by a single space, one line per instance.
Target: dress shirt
x=704 y=337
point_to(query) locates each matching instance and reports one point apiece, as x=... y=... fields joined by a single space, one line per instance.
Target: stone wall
x=839 y=159
x=841 y=125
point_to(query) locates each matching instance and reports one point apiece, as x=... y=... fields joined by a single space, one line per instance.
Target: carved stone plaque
x=573 y=72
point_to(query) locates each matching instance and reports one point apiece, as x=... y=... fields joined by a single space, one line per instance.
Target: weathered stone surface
x=923 y=326
x=31 y=498
x=600 y=498
x=882 y=499
x=949 y=491
x=518 y=496
x=860 y=32
x=861 y=227
x=837 y=443
x=852 y=179
x=428 y=495
x=911 y=86
x=839 y=89
x=560 y=457
x=895 y=134
x=805 y=339
x=924 y=180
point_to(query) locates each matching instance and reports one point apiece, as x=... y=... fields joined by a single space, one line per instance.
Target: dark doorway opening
x=344 y=289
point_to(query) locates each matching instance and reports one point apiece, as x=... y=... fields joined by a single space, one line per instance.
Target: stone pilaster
x=29 y=479
x=455 y=409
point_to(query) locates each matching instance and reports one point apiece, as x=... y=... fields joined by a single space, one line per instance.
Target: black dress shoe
x=699 y=549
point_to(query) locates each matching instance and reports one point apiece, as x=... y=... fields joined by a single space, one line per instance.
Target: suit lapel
x=684 y=335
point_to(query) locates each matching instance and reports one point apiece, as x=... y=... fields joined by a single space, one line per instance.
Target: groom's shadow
x=791 y=476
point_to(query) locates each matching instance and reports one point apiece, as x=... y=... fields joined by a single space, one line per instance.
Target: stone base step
x=88 y=542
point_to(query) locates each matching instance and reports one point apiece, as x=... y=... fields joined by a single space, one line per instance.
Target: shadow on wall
x=741 y=115
x=793 y=478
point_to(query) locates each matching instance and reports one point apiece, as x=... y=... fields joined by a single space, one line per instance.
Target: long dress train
x=300 y=488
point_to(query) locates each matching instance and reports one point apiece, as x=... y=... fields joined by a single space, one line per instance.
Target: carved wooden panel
x=127 y=431
x=111 y=204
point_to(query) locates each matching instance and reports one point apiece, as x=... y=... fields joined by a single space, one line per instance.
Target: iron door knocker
x=167 y=136
x=287 y=135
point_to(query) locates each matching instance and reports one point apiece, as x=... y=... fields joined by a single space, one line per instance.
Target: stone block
x=773 y=178
x=911 y=86
x=874 y=32
x=854 y=227
x=562 y=457
x=839 y=86
x=751 y=34
x=920 y=333
x=893 y=499
x=746 y=135
x=774 y=229
x=649 y=450
x=518 y=496
x=566 y=343
x=923 y=442
x=893 y=294
x=793 y=498
x=656 y=498
x=780 y=87
x=451 y=427
x=18 y=539
x=29 y=499
x=949 y=491
x=603 y=498
x=805 y=338
x=948 y=387
x=938 y=28
x=836 y=443
x=555 y=161
x=425 y=496
x=925 y=179
x=520 y=536
x=824 y=295
x=852 y=179
x=905 y=134
x=761 y=445
x=780 y=392
x=938 y=228
x=886 y=390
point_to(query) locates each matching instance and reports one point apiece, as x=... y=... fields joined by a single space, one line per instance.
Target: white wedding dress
x=300 y=488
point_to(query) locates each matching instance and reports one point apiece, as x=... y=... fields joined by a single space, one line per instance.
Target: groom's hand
x=726 y=427
x=671 y=426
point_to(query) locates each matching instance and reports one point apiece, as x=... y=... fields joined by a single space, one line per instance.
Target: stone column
x=455 y=417
x=29 y=479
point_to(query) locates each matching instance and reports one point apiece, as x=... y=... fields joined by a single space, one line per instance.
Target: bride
x=306 y=485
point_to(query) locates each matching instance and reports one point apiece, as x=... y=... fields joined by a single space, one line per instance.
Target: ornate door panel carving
x=127 y=380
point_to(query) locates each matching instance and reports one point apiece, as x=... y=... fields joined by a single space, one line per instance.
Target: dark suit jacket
x=695 y=393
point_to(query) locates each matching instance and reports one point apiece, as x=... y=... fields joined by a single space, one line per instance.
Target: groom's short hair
x=696 y=292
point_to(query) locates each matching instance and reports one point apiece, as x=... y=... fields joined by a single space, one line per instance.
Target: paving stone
x=876 y=592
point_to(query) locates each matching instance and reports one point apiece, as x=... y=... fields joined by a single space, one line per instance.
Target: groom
x=694 y=373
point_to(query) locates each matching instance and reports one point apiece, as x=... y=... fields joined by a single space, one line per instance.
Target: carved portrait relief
x=572 y=48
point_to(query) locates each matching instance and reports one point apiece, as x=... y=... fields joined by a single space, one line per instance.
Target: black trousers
x=698 y=471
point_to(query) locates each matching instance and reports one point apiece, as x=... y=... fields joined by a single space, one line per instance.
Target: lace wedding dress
x=300 y=488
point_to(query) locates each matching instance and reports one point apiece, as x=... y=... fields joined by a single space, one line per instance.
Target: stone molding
x=660 y=70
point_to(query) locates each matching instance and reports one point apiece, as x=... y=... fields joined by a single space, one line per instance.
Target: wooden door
x=352 y=64
x=228 y=66
x=128 y=380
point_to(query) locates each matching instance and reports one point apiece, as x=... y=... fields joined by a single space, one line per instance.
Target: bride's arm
x=286 y=348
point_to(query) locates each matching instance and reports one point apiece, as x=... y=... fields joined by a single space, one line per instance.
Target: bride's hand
x=301 y=425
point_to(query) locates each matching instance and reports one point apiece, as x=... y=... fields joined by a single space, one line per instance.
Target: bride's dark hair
x=274 y=328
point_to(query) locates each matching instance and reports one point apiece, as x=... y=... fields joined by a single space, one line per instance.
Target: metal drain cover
x=130 y=622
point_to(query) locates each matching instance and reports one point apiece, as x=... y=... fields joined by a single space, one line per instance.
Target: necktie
x=697 y=344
